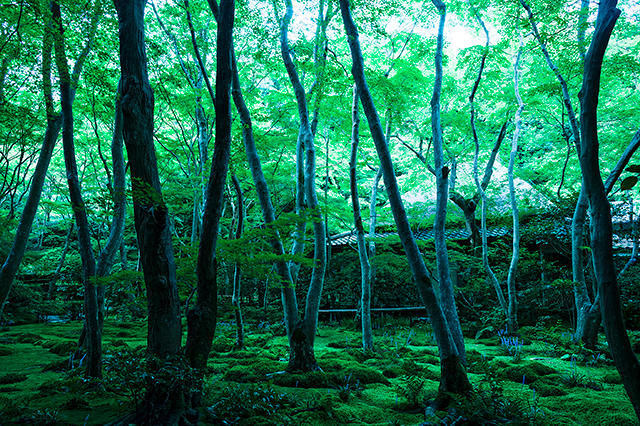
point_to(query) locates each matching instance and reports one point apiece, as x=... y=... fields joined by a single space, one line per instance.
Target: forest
x=366 y=212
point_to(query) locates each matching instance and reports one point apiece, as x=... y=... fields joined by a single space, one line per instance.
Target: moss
x=59 y=366
x=5 y=350
x=222 y=344
x=63 y=348
x=362 y=374
x=392 y=372
x=313 y=379
x=612 y=377
x=118 y=343
x=411 y=367
x=27 y=338
x=253 y=372
x=11 y=378
x=527 y=373
x=545 y=389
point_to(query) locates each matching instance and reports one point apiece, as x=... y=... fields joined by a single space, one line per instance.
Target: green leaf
x=628 y=183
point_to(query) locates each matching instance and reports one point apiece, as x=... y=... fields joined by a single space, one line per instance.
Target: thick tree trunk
x=202 y=318
x=601 y=226
x=91 y=321
x=152 y=220
x=365 y=266
x=453 y=377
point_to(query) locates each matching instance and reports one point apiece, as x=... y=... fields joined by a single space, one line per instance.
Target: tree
x=365 y=266
x=151 y=214
x=601 y=226
x=453 y=378
x=92 y=323
x=54 y=124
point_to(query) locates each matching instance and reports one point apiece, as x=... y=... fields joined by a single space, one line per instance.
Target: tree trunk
x=202 y=318
x=63 y=256
x=512 y=312
x=237 y=276
x=91 y=321
x=601 y=225
x=302 y=357
x=152 y=220
x=365 y=301
x=107 y=256
x=453 y=377
x=442 y=195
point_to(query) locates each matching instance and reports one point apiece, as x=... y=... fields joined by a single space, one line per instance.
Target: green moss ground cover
x=543 y=385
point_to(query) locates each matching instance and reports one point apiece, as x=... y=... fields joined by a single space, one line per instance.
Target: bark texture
x=151 y=214
x=601 y=226
x=202 y=318
x=447 y=299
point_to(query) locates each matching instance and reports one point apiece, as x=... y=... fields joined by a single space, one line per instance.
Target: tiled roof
x=451 y=234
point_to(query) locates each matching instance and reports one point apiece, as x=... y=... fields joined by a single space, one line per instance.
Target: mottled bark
x=447 y=299
x=601 y=224
x=453 y=377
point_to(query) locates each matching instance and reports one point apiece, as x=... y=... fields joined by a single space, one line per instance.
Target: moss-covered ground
x=545 y=381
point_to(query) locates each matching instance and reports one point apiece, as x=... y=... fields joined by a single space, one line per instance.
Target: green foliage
x=235 y=401
x=412 y=390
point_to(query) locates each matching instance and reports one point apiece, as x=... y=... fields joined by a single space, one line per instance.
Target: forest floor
x=546 y=380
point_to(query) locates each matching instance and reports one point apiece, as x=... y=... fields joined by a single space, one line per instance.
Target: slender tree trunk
x=453 y=378
x=92 y=324
x=237 y=276
x=601 y=225
x=512 y=312
x=202 y=318
x=365 y=302
x=301 y=340
x=107 y=256
x=442 y=195
x=63 y=256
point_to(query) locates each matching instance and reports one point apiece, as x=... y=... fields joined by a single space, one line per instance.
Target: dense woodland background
x=216 y=157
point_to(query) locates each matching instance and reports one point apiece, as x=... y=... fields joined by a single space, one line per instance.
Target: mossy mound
x=526 y=373
x=312 y=379
x=5 y=350
x=57 y=366
x=27 y=338
x=222 y=344
x=393 y=372
x=546 y=389
x=612 y=377
x=359 y=373
x=253 y=372
x=11 y=378
x=63 y=348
